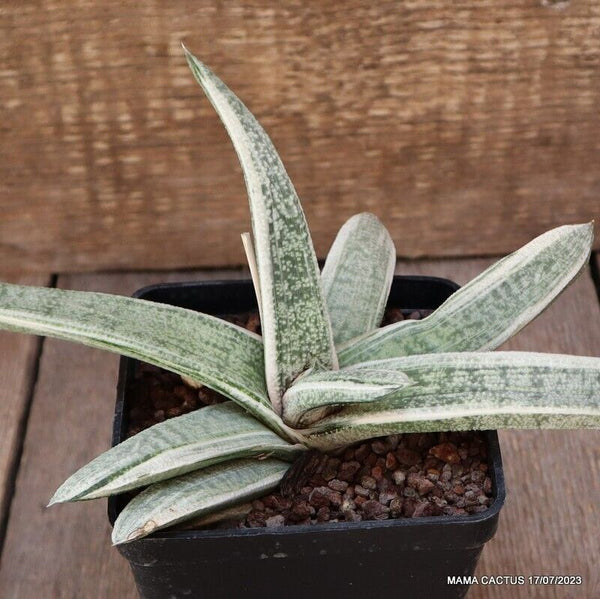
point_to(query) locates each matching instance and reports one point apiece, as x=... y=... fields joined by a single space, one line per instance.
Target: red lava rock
x=425 y=509
x=390 y=461
x=408 y=457
x=173 y=412
x=387 y=497
x=323 y=514
x=359 y=501
x=361 y=491
x=348 y=454
x=380 y=447
x=377 y=472
x=338 y=485
x=319 y=497
x=487 y=485
x=373 y=510
x=398 y=476
x=300 y=510
x=396 y=507
x=368 y=482
x=408 y=507
x=362 y=452
x=446 y=452
x=275 y=521
x=348 y=470
x=331 y=468
x=425 y=486
x=277 y=502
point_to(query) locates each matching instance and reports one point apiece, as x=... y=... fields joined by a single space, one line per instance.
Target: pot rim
x=494 y=457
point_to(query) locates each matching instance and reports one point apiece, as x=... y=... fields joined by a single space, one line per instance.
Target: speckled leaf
x=492 y=307
x=314 y=394
x=357 y=276
x=469 y=391
x=196 y=494
x=296 y=330
x=222 y=356
x=208 y=436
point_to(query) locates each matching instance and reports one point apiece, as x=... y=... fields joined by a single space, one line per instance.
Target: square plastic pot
x=390 y=558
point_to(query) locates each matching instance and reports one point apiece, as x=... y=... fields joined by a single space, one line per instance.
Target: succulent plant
x=323 y=374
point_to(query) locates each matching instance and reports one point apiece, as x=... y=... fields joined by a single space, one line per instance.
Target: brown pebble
x=372 y=509
x=399 y=477
x=347 y=470
x=385 y=498
x=362 y=452
x=174 y=412
x=425 y=486
x=338 y=485
x=487 y=485
x=446 y=452
x=390 y=461
x=380 y=447
x=275 y=521
x=323 y=514
x=361 y=491
x=425 y=509
x=408 y=457
x=352 y=515
x=300 y=510
x=396 y=507
x=318 y=498
x=377 y=472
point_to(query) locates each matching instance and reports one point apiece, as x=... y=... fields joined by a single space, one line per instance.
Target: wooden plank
x=550 y=522
x=468 y=127
x=18 y=360
x=65 y=552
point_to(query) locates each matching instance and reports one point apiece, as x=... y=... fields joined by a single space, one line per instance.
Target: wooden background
x=469 y=127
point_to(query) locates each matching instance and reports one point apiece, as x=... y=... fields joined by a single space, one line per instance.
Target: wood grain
x=549 y=524
x=65 y=552
x=469 y=127
x=551 y=520
x=18 y=358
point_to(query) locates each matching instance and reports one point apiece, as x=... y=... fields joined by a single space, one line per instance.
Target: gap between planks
x=549 y=523
x=19 y=356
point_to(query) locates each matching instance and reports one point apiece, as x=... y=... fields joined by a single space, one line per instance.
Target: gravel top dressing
x=399 y=476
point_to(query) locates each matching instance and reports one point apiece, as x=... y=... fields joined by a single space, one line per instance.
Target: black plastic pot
x=400 y=558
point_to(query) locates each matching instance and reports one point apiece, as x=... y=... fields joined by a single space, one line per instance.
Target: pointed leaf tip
x=296 y=329
x=492 y=307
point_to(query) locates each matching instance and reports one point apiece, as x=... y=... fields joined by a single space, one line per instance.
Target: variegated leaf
x=357 y=276
x=207 y=436
x=492 y=307
x=466 y=391
x=314 y=394
x=223 y=356
x=295 y=326
x=196 y=494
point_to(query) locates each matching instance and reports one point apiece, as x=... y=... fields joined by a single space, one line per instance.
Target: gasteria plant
x=324 y=374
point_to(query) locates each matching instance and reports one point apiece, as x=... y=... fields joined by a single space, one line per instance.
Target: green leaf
x=223 y=356
x=469 y=391
x=196 y=494
x=313 y=395
x=296 y=329
x=492 y=307
x=357 y=276
x=176 y=446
